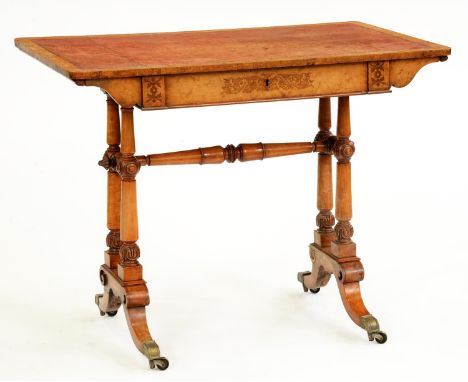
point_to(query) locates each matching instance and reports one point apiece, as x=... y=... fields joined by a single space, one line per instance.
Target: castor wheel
x=112 y=313
x=300 y=278
x=96 y=301
x=161 y=363
x=379 y=337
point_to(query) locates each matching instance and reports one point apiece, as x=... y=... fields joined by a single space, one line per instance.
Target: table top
x=117 y=56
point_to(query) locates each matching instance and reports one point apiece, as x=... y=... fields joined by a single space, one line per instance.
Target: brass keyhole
x=267 y=82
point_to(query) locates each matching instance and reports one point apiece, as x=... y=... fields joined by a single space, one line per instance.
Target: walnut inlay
x=277 y=81
x=154 y=91
x=378 y=75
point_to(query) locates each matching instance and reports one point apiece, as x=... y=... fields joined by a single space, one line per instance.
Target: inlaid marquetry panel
x=258 y=85
x=154 y=94
x=378 y=76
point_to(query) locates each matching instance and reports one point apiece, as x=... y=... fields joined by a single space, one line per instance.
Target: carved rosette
x=325 y=221
x=109 y=160
x=127 y=167
x=343 y=149
x=344 y=231
x=113 y=241
x=322 y=135
x=129 y=254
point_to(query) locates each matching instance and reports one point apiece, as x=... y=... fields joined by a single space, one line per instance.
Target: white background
x=221 y=245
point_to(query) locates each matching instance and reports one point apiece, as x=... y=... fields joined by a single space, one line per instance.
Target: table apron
x=253 y=85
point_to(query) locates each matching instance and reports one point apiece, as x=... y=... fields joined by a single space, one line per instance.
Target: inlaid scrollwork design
x=153 y=88
x=253 y=83
x=377 y=71
x=378 y=75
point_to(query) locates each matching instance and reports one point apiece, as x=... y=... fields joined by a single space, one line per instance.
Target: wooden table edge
x=48 y=58
x=72 y=72
x=403 y=36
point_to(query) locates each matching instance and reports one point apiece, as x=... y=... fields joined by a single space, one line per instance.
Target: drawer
x=253 y=85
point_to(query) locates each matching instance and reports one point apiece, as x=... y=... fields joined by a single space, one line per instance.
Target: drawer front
x=253 y=85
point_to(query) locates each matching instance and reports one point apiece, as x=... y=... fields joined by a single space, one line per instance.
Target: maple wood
x=111 y=256
x=325 y=219
x=182 y=69
x=255 y=85
x=348 y=273
x=129 y=269
x=334 y=253
x=134 y=298
x=244 y=152
x=343 y=246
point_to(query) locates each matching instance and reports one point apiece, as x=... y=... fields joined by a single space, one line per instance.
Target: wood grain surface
x=117 y=56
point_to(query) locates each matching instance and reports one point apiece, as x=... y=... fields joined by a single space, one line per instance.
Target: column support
x=343 y=246
x=129 y=269
x=325 y=220
x=124 y=285
x=111 y=256
x=339 y=257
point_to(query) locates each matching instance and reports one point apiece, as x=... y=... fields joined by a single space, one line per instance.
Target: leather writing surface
x=200 y=51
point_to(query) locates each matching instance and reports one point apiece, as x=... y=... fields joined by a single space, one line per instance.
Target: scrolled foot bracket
x=133 y=297
x=348 y=272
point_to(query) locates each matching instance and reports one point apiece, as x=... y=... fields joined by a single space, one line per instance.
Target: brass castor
x=151 y=350
x=300 y=278
x=110 y=313
x=161 y=363
x=96 y=300
x=370 y=324
x=379 y=337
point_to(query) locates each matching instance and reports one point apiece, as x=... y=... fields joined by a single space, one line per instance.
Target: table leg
x=325 y=220
x=108 y=302
x=124 y=283
x=337 y=254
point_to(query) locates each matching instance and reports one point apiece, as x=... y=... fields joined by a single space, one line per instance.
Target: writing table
x=167 y=70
